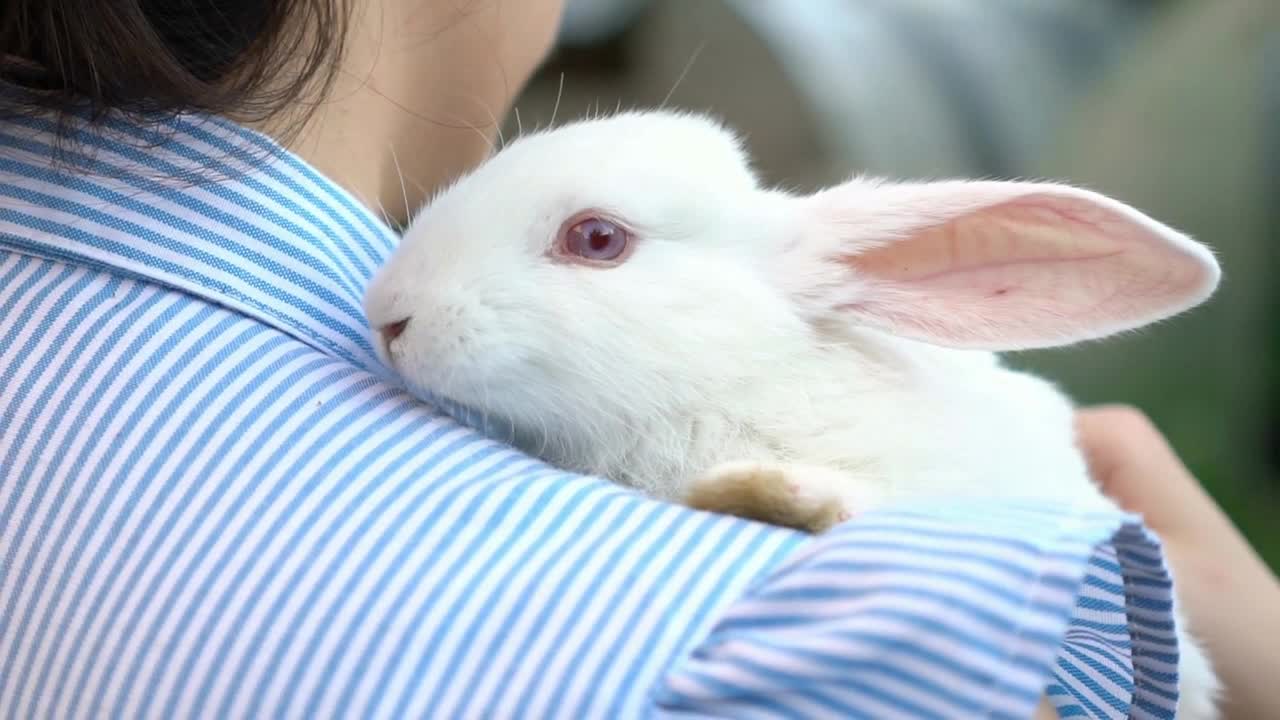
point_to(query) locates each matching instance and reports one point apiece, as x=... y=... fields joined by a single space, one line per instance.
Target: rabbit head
x=597 y=285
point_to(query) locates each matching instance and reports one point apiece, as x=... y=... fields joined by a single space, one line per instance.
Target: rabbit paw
x=802 y=497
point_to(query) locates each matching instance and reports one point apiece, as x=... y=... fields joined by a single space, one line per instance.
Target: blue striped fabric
x=214 y=504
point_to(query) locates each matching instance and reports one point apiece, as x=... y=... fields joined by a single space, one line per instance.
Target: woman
x=213 y=501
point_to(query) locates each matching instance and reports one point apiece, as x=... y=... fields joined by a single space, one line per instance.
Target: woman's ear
x=990 y=265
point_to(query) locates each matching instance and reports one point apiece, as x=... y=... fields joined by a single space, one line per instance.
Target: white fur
x=720 y=338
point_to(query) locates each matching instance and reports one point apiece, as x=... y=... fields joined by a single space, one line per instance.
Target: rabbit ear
x=990 y=265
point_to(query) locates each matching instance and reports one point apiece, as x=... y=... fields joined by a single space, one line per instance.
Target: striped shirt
x=214 y=503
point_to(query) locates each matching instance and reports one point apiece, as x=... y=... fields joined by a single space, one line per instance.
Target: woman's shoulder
x=243 y=523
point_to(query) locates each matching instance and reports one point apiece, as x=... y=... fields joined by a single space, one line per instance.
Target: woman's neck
x=420 y=94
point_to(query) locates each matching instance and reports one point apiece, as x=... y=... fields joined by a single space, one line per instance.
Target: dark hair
x=246 y=59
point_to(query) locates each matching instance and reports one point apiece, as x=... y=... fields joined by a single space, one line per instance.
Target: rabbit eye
x=597 y=241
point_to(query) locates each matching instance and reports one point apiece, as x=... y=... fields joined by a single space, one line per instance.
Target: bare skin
x=1230 y=596
x=421 y=91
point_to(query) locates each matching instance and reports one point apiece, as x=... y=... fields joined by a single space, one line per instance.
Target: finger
x=1133 y=464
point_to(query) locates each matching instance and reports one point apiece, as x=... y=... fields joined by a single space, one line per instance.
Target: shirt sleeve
x=945 y=612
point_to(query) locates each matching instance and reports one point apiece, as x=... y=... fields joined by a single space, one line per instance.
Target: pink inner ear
x=1038 y=270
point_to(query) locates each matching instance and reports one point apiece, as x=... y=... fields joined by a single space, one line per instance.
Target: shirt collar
x=204 y=206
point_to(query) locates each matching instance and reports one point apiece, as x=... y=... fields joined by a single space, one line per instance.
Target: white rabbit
x=626 y=296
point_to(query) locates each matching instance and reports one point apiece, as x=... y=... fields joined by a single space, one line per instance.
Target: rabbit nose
x=391 y=331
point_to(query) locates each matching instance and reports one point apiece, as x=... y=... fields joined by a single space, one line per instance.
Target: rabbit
x=630 y=301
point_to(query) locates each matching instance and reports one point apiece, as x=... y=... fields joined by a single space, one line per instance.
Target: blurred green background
x=1172 y=106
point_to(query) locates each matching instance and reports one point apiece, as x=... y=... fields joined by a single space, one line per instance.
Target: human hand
x=1230 y=597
